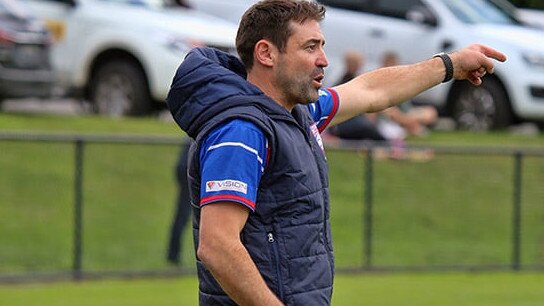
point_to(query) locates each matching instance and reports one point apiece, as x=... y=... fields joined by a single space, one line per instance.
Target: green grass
x=445 y=289
x=128 y=193
x=86 y=124
x=453 y=209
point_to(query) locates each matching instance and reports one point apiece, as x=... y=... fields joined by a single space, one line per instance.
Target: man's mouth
x=319 y=79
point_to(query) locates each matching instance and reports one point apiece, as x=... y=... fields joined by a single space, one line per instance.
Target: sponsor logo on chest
x=317 y=136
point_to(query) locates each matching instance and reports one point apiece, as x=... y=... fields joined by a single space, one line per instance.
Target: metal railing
x=81 y=142
x=517 y=154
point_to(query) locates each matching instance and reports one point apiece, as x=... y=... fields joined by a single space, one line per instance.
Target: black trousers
x=182 y=208
x=357 y=128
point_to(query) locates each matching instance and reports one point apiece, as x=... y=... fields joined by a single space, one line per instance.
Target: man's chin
x=309 y=96
x=314 y=95
x=311 y=99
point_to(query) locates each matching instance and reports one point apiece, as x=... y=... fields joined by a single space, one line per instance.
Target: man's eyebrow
x=315 y=41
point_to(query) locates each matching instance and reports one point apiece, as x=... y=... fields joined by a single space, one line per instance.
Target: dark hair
x=269 y=19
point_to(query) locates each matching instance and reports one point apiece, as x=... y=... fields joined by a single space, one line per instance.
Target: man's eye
x=311 y=47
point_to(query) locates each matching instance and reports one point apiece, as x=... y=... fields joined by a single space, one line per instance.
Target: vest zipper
x=272 y=241
x=309 y=137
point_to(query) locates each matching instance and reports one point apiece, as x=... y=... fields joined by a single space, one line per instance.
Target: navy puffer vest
x=288 y=235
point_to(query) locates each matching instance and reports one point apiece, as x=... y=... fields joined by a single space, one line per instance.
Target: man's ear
x=265 y=53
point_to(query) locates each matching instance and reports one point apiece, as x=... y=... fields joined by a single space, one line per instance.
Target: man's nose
x=322 y=60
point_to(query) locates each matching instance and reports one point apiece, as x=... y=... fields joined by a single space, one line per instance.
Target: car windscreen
x=479 y=11
x=149 y=3
x=13 y=9
x=3 y=9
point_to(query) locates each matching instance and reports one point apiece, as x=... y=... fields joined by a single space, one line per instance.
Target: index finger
x=492 y=53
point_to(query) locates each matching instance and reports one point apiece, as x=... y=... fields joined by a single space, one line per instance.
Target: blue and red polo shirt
x=234 y=155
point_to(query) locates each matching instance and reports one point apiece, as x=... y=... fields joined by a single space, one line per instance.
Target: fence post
x=516 y=212
x=369 y=175
x=78 y=210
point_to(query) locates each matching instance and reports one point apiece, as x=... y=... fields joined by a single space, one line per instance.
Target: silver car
x=25 y=69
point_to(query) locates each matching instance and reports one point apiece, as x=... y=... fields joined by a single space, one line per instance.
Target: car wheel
x=481 y=108
x=119 y=88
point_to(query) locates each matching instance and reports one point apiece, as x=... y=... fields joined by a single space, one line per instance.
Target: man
x=257 y=172
x=182 y=208
x=362 y=126
x=353 y=62
x=413 y=120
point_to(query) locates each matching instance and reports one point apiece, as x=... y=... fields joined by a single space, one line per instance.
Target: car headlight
x=535 y=59
x=179 y=44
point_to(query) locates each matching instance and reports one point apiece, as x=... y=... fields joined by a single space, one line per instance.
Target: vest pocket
x=276 y=261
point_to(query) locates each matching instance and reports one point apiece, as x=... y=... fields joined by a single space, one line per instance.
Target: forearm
x=235 y=271
x=382 y=88
x=394 y=85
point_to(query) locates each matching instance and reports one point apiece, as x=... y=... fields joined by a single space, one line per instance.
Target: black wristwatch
x=448 y=64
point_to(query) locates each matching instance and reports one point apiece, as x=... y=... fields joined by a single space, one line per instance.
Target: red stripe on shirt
x=228 y=198
x=336 y=104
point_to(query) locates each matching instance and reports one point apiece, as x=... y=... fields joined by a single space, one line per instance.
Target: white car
x=532 y=17
x=122 y=54
x=417 y=29
x=25 y=69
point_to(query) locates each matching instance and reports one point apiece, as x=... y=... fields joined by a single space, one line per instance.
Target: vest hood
x=207 y=83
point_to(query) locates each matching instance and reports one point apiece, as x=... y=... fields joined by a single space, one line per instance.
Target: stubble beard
x=297 y=88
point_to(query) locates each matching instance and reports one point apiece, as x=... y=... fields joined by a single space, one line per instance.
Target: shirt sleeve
x=232 y=161
x=325 y=108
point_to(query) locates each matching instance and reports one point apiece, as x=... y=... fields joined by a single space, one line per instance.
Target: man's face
x=300 y=69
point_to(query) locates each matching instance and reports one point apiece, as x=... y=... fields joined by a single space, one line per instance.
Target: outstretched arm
x=379 y=89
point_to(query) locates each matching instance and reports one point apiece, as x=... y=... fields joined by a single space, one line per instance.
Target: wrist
x=448 y=65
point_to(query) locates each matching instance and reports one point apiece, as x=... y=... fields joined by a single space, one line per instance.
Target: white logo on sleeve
x=230 y=185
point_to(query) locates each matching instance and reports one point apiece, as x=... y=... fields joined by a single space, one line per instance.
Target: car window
x=396 y=8
x=3 y=9
x=389 y=8
x=479 y=11
x=529 y=4
x=150 y=3
x=352 y=5
x=12 y=8
x=61 y=1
